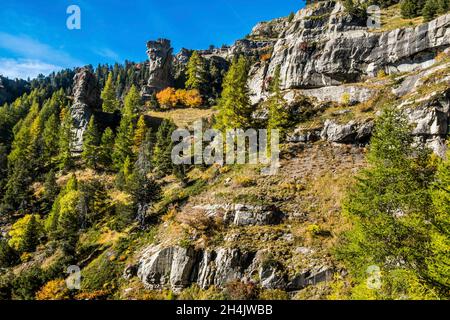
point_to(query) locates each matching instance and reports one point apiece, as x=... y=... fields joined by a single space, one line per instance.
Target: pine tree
x=389 y=205
x=278 y=112
x=196 y=73
x=162 y=156
x=132 y=104
x=50 y=139
x=123 y=146
x=430 y=10
x=140 y=133
x=31 y=235
x=110 y=103
x=124 y=174
x=443 y=6
x=52 y=220
x=51 y=191
x=291 y=17
x=145 y=154
x=69 y=221
x=20 y=167
x=144 y=191
x=439 y=260
x=235 y=108
x=106 y=148
x=65 y=141
x=91 y=142
x=412 y=8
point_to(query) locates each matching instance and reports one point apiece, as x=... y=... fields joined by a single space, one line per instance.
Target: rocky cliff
x=325 y=46
x=86 y=101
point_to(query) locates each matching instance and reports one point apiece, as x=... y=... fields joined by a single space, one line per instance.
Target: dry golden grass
x=183 y=117
x=391 y=18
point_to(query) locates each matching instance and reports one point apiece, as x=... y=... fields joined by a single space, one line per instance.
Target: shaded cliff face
x=325 y=46
x=86 y=101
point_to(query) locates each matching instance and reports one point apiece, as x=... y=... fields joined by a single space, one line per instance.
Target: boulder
x=351 y=132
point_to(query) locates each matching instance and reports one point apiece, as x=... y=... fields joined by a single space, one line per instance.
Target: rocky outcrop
x=86 y=101
x=431 y=122
x=244 y=215
x=168 y=267
x=160 y=65
x=325 y=46
x=177 y=268
x=269 y=29
x=351 y=132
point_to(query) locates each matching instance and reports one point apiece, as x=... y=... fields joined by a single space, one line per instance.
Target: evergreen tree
x=145 y=154
x=162 y=156
x=124 y=174
x=65 y=141
x=51 y=191
x=69 y=221
x=139 y=135
x=235 y=108
x=20 y=165
x=412 y=8
x=123 y=146
x=106 y=148
x=430 y=10
x=278 y=111
x=31 y=235
x=51 y=222
x=439 y=260
x=196 y=73
x=132 y=104
x=389 y=205
x=8 y=256
x=443 y=6
x=109 y=97
x=144 y=191
x=291 y=17
x=50 y=139
x=91 y=142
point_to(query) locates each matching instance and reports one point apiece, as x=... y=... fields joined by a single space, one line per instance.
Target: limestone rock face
x=86 y=101
x=160 y=66
x=269 y=29
x=324 y=46
x=167 y=267
x=245 y=215
x=431 y=121
x=352 y=132
x=177 y=268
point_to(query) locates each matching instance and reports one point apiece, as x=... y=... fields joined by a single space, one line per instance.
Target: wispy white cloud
x=24 y=68
x=107 y=53
x=28 y=48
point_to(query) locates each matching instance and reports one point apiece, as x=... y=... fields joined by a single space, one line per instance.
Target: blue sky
x=34 y=38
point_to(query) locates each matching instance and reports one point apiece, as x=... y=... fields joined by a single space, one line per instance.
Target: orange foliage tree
x=170 y=98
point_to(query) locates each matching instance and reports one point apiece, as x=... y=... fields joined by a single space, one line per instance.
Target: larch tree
x=196 y=73
x=279 y=117
x=106 y=148
x=108 y=95
x=235 y=109
x=91 y=142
